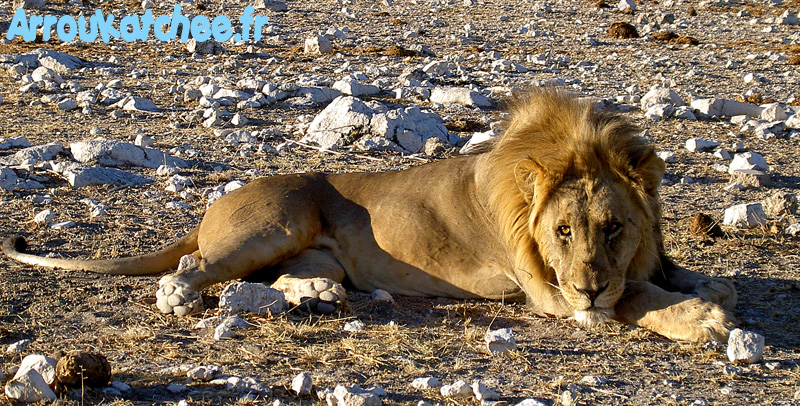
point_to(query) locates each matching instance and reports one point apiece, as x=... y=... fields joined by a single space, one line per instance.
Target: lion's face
x=588 y=231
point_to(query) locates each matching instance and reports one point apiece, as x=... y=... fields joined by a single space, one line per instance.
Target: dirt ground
x=415 y=337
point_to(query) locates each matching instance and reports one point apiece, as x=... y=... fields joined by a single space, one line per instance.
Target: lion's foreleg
x=672 y=314
x=312 y=279
x=678 y=279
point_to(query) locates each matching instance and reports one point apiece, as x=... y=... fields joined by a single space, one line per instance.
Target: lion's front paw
x=174 y=296
x=701 y=321
x=320 y=295
x=717 y=290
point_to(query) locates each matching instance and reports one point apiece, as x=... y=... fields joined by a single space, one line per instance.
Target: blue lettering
x=19 y=26
x=136 y=29
x=147 y=22
x=246 y=19
x=201 y=28
x=260 y=22
x=221 y=27
x=73 y=28
x=47 y=26
x=158 y=29
x=183 y=21
x=105 y=24
x=90 y=34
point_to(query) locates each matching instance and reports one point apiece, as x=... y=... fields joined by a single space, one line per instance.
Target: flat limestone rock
x=34 y=154
x=118 y=153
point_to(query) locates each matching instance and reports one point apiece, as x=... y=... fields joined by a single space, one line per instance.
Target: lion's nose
x=592 y=294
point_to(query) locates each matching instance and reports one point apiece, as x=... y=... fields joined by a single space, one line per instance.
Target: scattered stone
x=318 y=45
x=626 y=6
x=500 y=341
x=248 y=385
x=32 y=381
x=79 y=368
x=622 y=30
x=725 y=107
x=793 y=230
x=208 y=47
x=427 y=382
x=302 y=384
x=133 y=103
x=354 y=326
x=18 y=347
x=702 y=225
x=355 y=396
x=380 y=295
x=459 y=95
x=482 y=392
x=731 y=370
x=458 y=389
x=722 y=153
x=44 y=217
x=226 y=328
x=780 y=204
x=63 y=224
x=118 y=153
x=667 y=156
x=177 y=388
x=594 y=381
x=33 y=155
x=204 y=373
x=8 y=178
x=748 y=160
x=351 y=86
x=569 y=397
x=28 y=4
x=67 y=104
x=793 y=121
x=248 y=297
x=750 y=178
x=700 y=145
x=773 y=112
x=745 y=346
x=532 y=402
x=79 y=175
x=748 y=215
x=271 y=5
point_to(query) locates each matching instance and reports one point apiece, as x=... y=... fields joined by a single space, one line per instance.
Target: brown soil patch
x=671 y=37
x=622 y=30
x=397 y=50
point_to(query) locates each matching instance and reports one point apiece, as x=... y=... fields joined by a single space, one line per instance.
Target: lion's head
x=575 y=192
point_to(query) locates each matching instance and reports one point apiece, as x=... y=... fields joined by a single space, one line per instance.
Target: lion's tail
x=160 y=261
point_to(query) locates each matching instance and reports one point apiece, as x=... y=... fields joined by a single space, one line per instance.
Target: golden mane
x=567 y=137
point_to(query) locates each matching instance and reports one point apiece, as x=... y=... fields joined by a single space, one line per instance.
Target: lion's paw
x=174 y=296
x=717 y=290
x=703 y=321
x=320 y=295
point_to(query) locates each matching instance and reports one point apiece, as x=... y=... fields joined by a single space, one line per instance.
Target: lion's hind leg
x=312 y=280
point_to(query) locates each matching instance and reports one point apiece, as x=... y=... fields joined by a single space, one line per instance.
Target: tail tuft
x=15 y=243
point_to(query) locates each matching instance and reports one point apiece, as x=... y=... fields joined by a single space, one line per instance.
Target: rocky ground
x=424 y=77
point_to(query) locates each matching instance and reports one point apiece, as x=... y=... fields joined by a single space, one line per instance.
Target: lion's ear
x=526 y=174
x=650 y=171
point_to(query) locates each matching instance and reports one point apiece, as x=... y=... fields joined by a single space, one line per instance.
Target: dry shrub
x=601 y=4
x=702 y=225
x=622 y=30
x=672 y=38
x=396 y=50
x=794 y=60
x=692 y=12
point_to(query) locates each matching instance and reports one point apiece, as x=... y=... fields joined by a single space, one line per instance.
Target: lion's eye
x=612 y=228
x=564 y=231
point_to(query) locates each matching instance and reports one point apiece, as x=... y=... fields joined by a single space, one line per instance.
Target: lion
x=562 y=212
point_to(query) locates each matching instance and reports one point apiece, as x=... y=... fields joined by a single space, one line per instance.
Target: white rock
x=87 y=175
x=659 y=111
x=748 y=160
x=351 y=86
x=789 y=18
x=18 y=347
x=745 y=346
x=33 y=155
x=459 y=95
x=458 y=389
x=594 y=380
x=118 y=153
x=239 y=120
x=272 y=5
x=700 y=145
x=773 y=112
x=661 y=95
x=531 y=402
x=780 y=204
x=120 y=386
x=133 y=103
x=427 y=382
x=380 y=295
x=143 y=140
x=722 y=153
x=355 y=397
x=752 y=78
x=32 y=381
x=258 y=298
x=148 y=4
x=44 y=217
x=355 y=325
x=302 y=384
x=204 y=373
x=63 y=224
x=227 y=327
x=500 y=341
x=318 y=45
x=479 y=142
x=684 y=112
x=793 y=230
x=208 y=322
x=793 y=121
x=725 y=107
x=748 y=215
x=667 y=156
x=482 y=392
x=68 y=104
x=626 y=5
x=176 y=183
x=28 y=4
x=177 y=388
x=233 y=185
x=8 y=178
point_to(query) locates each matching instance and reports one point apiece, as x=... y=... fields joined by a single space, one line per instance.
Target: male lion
x=563 y=212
